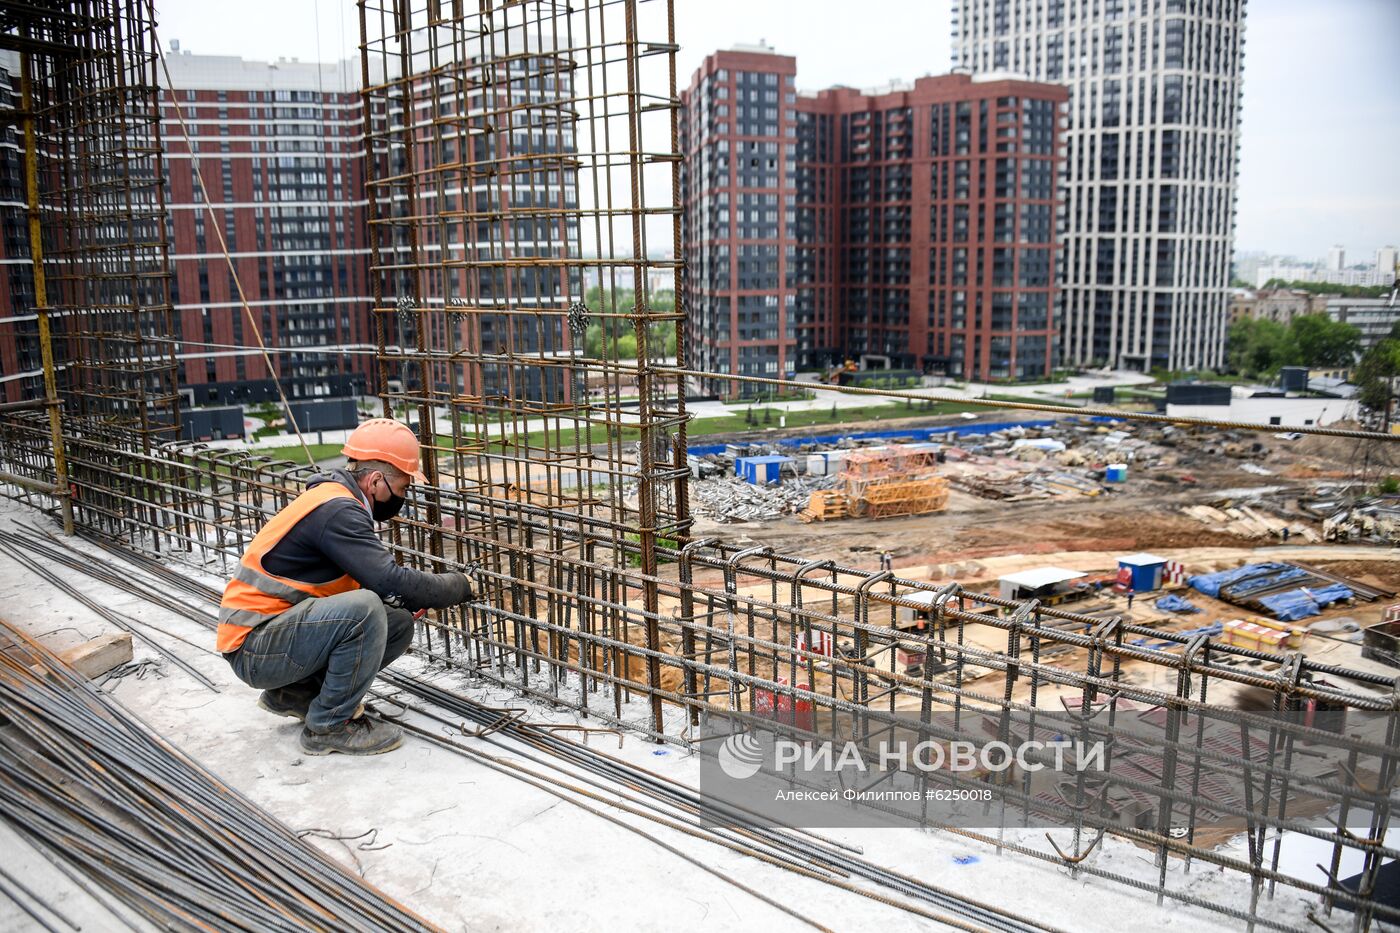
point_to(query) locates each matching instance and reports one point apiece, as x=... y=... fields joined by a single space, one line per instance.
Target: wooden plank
x=94 y=658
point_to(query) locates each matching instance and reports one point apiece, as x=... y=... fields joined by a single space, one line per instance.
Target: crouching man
x=318 y=605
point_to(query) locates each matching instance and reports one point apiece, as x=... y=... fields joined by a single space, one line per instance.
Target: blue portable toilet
x=1116 y=473
x=1146 y=570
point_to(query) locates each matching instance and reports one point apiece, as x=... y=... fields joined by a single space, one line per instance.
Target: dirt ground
x=975 y=527
x=1142 y=514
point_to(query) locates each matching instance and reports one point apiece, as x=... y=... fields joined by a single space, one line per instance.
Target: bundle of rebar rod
x=117 y=808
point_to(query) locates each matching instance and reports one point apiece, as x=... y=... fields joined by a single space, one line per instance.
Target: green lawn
x=700 y=427
x=738 y=423
x=296 y=455
x=1023 y=399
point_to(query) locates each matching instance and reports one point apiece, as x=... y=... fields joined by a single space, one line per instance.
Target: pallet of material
x=825 y=504
x=1261 y=634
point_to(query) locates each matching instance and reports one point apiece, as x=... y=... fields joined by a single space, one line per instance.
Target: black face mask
x=383 y=511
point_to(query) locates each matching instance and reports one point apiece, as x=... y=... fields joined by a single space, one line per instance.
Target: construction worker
x=318 y=605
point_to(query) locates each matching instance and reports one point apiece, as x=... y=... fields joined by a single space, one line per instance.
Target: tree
x=1321 y=341
x=1327 y=288
x=1257 y=347
x=1376 y=373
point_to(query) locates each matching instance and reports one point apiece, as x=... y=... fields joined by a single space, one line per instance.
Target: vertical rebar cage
x=522 y=190
x=91 y=65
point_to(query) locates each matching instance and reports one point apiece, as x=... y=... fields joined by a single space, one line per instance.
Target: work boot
x=285 y=701
x=362 y=736
x=294 y=704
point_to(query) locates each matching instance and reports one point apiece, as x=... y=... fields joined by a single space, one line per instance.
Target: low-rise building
x=1374 y=317
x=1268 y=304
x=1364 y=277
x=1272 y=408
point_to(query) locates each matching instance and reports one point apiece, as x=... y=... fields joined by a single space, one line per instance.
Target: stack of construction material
x=1248 y=522
x=894 y=481
x=113 y=805
x=1286 y=591
x=825 y=505
x=1375 y=519
x=1262 y=634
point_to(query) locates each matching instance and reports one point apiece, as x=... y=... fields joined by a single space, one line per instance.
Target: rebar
x=84 y=779
x=97 y=189
x=522 y=192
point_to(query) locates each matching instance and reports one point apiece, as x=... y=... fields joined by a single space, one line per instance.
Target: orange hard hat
x=388 y=440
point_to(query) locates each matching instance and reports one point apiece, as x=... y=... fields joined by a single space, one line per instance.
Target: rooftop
x=1042 y=576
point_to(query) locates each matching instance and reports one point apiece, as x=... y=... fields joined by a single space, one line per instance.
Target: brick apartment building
x=917 y=224
x=21 y=376
x=280 y=146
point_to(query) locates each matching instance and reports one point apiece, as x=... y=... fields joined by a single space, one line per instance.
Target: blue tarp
x=1301 y=603
x=1211 y=583
x=1242 y=590
x=961 y=429
x=1175 y=604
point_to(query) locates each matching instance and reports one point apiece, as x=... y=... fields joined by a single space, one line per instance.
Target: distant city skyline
x=1321 y=116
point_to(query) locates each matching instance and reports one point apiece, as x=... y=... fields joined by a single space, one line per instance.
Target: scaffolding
x=522 y=186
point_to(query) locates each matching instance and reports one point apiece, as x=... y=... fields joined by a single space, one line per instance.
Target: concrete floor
x=473 y=849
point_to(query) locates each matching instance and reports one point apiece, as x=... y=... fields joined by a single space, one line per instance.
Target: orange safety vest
x=255 y=596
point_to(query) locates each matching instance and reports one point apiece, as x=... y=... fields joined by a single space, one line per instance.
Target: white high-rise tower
x=1150 y=163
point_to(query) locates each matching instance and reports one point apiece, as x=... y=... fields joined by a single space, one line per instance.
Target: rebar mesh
x=519 y=152
x=522 y=193
x=91 y=65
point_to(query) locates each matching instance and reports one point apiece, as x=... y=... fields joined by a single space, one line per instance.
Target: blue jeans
x=329 y=647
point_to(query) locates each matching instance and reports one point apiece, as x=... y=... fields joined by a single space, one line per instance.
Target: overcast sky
x=1321 y=128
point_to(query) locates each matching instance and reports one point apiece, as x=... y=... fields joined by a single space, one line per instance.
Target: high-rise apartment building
x=1150 y=163
x=1386 y=260
x=927 y=216
x=914 y=224
x=21 y=375
x=280 y=147
x=738 y=189
x=1336 y=258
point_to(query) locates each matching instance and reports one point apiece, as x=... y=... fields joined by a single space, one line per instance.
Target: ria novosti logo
x=742 y=756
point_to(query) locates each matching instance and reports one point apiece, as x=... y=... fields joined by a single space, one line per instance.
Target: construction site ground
x=1145 y=513
x=473 y=849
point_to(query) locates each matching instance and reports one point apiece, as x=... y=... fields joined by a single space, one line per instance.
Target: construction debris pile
x=1242 y=513
x=1374 y=519
x=730 y=499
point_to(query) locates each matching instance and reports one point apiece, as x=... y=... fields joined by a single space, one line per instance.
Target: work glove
x=468 y=588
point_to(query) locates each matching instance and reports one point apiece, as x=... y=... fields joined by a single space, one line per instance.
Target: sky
x=1320 y=134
